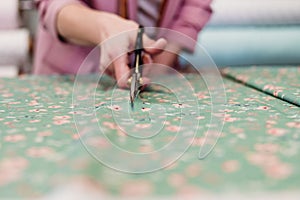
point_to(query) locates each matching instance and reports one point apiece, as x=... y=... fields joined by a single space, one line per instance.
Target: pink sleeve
x=191 y=18
x=48 y=10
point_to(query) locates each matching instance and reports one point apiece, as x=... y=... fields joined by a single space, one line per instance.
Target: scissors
x=136 y=81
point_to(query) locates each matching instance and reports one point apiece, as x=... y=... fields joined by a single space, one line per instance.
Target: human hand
x=118 y=41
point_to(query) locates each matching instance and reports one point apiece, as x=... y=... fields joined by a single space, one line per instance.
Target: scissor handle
x=139 y=39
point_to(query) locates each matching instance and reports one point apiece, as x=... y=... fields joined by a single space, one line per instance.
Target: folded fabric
x=251 y=45
x=283 y=83
x=14 y=46
x=9 y=14
x=255 y=12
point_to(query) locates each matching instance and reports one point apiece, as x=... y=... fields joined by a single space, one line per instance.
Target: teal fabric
x=41 y=150
x=251 y=45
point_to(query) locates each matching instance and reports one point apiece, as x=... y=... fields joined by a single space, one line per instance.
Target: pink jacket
x=52 y=56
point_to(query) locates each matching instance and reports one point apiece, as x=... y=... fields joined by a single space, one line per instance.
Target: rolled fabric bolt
x=9 y=14
x=14 y=46
x=255 y=12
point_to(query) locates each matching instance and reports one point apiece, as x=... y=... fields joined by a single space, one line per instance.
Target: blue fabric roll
x=229 y=46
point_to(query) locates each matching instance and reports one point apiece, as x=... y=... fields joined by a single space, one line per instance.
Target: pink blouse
x=52 y=56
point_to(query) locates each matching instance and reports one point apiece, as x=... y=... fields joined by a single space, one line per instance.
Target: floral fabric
x=259 y=149
x=280 y=82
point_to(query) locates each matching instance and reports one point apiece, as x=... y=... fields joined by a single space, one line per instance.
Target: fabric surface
x=259 y=149
x=283 y=83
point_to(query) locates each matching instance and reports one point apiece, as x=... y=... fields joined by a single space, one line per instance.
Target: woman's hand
x=84 y=26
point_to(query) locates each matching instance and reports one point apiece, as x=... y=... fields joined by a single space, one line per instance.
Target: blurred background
x=240 y=33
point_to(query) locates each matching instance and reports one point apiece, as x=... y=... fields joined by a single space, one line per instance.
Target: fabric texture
x=282 y=83
x=41 y=151
x=54 y=57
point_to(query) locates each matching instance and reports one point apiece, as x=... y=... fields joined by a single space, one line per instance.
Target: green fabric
x=280 y=82
x=40 y=149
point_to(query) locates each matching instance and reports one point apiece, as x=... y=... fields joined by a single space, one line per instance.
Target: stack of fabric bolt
x=253 y=32
x=14 y=40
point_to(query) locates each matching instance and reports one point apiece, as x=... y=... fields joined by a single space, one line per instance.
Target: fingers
x=154 y=47
x=147 y=59
x=122 y=71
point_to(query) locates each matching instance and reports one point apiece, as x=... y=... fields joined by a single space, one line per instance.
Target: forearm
x=80 y=25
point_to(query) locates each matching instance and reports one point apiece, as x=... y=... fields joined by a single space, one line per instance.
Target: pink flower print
x=38 y=152
x=189 y=192
x=121 y=133
x=262 y=159
x=272 y=87
x=44 y=133
x=267 y=148
x=145 y=149
x=230 y=90
x=269 y=87
x=9 y=124
x=62 y=117
x=271 y=122
x=249 y=99
x=202 y=95
x=34 y=121
x=242 y=78
x=176 y=180
x=173 y=128
x=200 y=117
x=75 y=136
x=276 y=92
x=228 y=118
x=14 y=138
x=60 y=91
x=278 y=171
x=11 y=169
x=33 y=103
x=110 y=125
x=98 y=142
x=37 y=110
x=172 y=166
x=193 y=170
x=162 y=100
x=6 y=95
x=277 y=131
x=54 y=106
x=236 y=130
x=263 y=108
x=230 y=166
x=14 y=103
x=146 y=109
x=198 y=141
x=59 y=120
x=179 y=105
x=293 y=124
x=114 y=107
x=268 y=98
x=99 y=104
x=138 y=188
x=141 y=126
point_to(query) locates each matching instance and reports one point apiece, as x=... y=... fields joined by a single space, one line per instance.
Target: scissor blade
x=133 y=89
